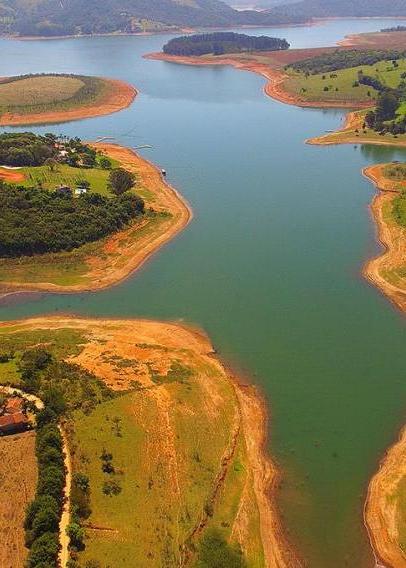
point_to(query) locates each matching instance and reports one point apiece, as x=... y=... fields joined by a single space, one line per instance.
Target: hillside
x=341 y=8
x=71 y=17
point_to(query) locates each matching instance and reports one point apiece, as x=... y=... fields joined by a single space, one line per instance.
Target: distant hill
x=69 y=17
x=72 y=17
x=341 y=8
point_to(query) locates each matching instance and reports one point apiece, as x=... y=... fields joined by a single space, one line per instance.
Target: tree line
x=345 y=59
x=219 y=43
x=35 y=221
x=63 y=387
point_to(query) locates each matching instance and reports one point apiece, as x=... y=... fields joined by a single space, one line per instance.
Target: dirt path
x=64 y=540
x=392 y=237
x=126 y=251
x=120 y=95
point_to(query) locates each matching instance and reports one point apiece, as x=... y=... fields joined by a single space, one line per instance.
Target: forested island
x=219 y=43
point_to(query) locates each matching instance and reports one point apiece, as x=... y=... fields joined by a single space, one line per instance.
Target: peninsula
x=135 y=218
x=56 y=98
x=202 y=490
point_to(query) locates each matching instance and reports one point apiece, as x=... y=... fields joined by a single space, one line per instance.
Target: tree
x=46 y=520
x=51 y=164
x=76 y=534
x=44 y=550
x=120 y=181
x=215 y=552
x=105 y=163
x=386 y=106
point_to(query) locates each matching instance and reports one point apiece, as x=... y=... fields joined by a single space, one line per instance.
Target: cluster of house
x=69 y=192
x=12 y=416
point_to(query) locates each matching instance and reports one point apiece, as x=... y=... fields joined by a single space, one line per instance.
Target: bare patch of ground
x=18 y=480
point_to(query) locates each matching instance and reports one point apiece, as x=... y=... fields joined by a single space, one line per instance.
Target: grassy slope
x=38 y=90
x=178 y=424
x=47 y=94
x=66 y=175
x=315 y=84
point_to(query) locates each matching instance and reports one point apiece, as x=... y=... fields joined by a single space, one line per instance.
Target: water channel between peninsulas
x=270 y=267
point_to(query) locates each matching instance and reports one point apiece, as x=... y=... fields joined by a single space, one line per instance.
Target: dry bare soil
x=18 y=479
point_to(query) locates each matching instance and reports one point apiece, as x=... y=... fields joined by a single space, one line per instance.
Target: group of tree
x=29 y=149
x=219 y=43
x=395 y=29
x=345 y=59
x=25 y=149
x=36 y=221
x=63 y=387
x=44 y=512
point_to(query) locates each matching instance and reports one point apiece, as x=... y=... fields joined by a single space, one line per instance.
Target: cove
x=270 y=266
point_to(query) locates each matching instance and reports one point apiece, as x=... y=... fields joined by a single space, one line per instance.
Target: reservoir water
x=269 y=267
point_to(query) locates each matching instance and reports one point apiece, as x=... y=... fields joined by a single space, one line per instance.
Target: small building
x=81 y=190
x=13 y=423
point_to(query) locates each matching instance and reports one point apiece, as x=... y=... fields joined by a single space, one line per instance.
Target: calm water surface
x=270 y=266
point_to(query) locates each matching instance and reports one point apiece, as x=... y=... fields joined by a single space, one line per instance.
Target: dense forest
x=345 y=59
x=29 y=149
x=308 y=9
x=222 y=42
x=35 y=221
x=73 y=17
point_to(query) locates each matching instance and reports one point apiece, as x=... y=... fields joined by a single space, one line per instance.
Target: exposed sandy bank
x=154 y=343
x=382 y=271
x=119 y=95
x=125 y=251
x=382 y=506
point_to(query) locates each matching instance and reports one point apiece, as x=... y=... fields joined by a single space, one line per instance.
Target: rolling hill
x=68 y=17
x=341 y=8
x=75 y=17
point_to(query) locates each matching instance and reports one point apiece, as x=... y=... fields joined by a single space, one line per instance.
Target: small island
x=54 y=98
x=218 y=43
x=76 y=216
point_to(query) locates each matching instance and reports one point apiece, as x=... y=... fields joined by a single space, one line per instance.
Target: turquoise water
x=270 y=266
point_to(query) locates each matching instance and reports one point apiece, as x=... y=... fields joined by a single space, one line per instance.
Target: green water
x=270 y=266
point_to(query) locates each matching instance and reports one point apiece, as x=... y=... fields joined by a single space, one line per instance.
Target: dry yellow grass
x=38 y=90
x=18 y=479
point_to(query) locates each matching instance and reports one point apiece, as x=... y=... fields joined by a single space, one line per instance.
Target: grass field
x=339 y=85
x=66 y=175
x=18 y=478
x=46 y=93
x=39 y=90
x=167 y=447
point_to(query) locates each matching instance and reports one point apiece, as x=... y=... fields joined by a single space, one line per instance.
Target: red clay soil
x=11 y=176
x=120 y=95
